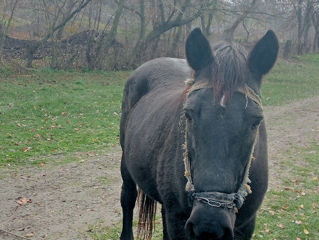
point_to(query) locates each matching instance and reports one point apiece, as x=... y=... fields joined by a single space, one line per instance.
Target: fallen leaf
x=306 y=231
x=281 y=225
x=23 y=200
x=26 y=149
x=303 y=194
x=41 y=164
x=298 y=239
x=298 y=222
x=29 y=235
x=302 y=206
x=272 y=212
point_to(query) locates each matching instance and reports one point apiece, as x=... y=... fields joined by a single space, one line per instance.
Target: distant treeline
x=121 y=34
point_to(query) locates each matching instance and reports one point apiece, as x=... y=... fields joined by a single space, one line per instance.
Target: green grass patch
x=292 y=211
x=291 y=81
x=47 y=113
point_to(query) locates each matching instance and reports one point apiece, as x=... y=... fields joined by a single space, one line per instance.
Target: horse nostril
x=212 y=232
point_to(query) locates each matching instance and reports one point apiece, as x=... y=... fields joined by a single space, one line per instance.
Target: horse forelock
x=227 y=73
x=229 y=70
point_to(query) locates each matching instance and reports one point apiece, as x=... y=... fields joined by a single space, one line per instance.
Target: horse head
x=223 y=112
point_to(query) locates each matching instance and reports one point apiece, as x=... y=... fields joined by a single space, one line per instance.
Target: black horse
x=200 y=148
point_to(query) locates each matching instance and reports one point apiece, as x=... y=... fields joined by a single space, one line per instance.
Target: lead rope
x=189 y=185
x=244 y=189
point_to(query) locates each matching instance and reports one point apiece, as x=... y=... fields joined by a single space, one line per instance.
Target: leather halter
x=230 y=201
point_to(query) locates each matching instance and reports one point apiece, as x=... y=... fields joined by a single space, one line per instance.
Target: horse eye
x=256 y=123
x=188 y=116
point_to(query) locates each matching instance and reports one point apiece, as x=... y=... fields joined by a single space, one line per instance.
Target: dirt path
x=67 y=198
x=292 y=125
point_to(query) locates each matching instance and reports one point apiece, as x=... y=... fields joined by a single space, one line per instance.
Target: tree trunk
x=300 y=27
x=307 y=25
x=206 y=26
x=315 y=22
x=105 y=42
x=229 y=32
x=287 y=49
x=5 y=28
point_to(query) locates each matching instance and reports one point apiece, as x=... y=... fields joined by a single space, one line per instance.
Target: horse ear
x=198 y=51
x=263 y=56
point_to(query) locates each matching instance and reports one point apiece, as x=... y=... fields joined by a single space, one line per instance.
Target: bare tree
x=315 y=22
x=163 y=16
x=99 y=49
x=57 y=22
x=303 y=10
x=5 y=23
x=229 y=32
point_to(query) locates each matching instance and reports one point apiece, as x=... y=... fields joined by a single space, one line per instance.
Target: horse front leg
x=246 y=230
x=173 y=224
x=165 y=233
x=128 y=199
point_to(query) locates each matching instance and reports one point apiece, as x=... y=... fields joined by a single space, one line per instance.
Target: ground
x=67 y=198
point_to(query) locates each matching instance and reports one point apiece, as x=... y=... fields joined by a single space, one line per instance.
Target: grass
x=291 y=81
x=47 y=113
x=292 y=211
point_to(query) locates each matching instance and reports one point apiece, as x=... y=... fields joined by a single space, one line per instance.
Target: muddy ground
x=67 y=198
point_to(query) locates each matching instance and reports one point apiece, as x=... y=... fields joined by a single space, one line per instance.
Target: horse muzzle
x=210 y=223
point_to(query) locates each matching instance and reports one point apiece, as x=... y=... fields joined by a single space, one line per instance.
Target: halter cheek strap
x=218 y=199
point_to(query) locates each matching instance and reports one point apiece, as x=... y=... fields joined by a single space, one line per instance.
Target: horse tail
x=146 y=218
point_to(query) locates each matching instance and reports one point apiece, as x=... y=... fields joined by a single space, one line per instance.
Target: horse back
x=161 y=75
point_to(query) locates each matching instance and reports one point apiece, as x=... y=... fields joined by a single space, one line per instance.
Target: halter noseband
x=232 y=201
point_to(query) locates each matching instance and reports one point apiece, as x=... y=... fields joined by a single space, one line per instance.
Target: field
x=49 y=113
x=59 y=147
